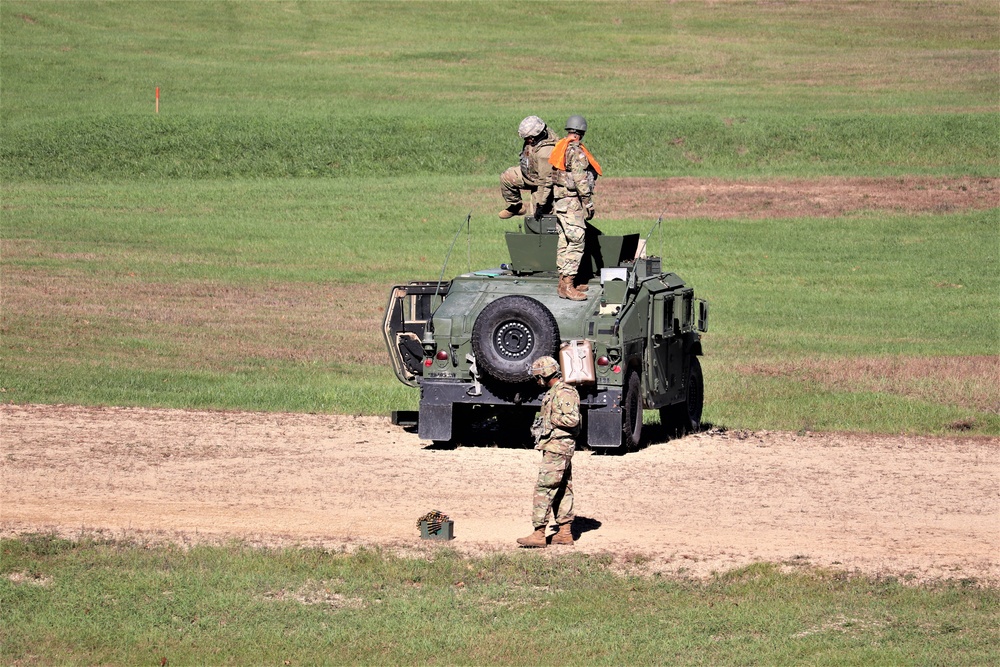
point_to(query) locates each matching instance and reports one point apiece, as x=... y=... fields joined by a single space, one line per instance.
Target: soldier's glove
x=589 y=208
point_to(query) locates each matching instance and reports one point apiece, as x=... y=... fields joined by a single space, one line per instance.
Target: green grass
x=268 y=89
x=421 y=58
x=235 y=250
x=267 y=294
x=119 y=147
x=86 y=602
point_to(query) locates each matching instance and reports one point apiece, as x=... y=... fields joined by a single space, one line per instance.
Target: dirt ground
x=917 y=507
x=649 y=198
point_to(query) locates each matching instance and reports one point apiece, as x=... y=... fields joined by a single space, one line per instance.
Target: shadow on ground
x=494 y=431
x=583 y=524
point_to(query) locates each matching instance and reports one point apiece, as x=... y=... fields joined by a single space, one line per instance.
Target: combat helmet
x=531 y=126
x=544 y=367
x=576 y=123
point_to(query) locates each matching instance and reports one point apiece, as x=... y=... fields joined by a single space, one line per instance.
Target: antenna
x=656 y=224
x=465 y=223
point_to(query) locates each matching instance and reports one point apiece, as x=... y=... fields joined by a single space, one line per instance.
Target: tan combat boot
x=511 y=211
x=564 y=536
x=567 y=291
x=536 y=539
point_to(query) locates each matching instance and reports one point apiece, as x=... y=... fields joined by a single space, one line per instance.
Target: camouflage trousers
x=572 y=230
x=554 y=490
x=511 y=183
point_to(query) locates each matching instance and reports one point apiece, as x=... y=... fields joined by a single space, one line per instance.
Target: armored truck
x=633 y=344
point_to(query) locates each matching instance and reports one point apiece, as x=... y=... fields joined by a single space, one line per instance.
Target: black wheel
x=685 y=417
x=631 y=412
x=510 y=333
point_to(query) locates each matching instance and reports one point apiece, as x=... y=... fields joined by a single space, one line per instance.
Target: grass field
x=267 y=295
x=235 y=251
x=307 y=151
x=90 y=602
x=273 y=89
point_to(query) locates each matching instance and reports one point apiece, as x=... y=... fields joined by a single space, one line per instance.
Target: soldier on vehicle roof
x=574 y=173
x=532 y=172
x=556 y=429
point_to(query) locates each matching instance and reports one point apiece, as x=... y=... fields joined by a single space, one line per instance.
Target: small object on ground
x=435 y=525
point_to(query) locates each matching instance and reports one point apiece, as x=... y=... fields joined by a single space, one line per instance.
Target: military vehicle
x=634 y=343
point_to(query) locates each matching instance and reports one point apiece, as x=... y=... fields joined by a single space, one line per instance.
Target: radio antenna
x=466 y=224
x=656 y=224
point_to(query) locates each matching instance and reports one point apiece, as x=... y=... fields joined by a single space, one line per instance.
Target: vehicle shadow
x=495 y=433
x=482 y=440
x=657 y=433
x=653 y=433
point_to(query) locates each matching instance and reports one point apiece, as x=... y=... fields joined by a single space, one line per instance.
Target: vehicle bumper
x=601 y=407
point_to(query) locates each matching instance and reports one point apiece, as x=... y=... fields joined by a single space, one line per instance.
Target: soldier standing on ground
x=574 y=174
x=555 y=430
x=533 y=170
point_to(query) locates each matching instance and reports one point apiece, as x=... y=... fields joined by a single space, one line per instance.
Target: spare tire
x=510 y=333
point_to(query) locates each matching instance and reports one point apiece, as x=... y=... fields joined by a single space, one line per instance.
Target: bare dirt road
x=917 y=507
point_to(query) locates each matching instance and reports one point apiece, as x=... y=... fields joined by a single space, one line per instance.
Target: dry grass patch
x=829 y=197
x=320 y=593
x=29 y=579
x=207 y=324
x=889 y=42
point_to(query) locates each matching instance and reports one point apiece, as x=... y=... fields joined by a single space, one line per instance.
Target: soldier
x=572 y=181
x=555 y=431
x=533 y=171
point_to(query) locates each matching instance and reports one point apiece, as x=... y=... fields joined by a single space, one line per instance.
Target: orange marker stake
x=157 y=99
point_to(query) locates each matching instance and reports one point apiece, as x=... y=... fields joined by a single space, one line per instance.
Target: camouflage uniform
x=559 y=426
x=531 y=174
x=572 y=191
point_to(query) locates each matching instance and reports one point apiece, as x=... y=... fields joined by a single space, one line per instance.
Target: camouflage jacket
x=579 y=178
x=535 y=167
x=560 y=419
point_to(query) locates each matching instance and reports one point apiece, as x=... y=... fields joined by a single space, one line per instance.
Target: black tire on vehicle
x=631 y=411
x=510 y=333
x=684 y=418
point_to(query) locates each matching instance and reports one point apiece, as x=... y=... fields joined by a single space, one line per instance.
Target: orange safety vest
x=558 y=157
